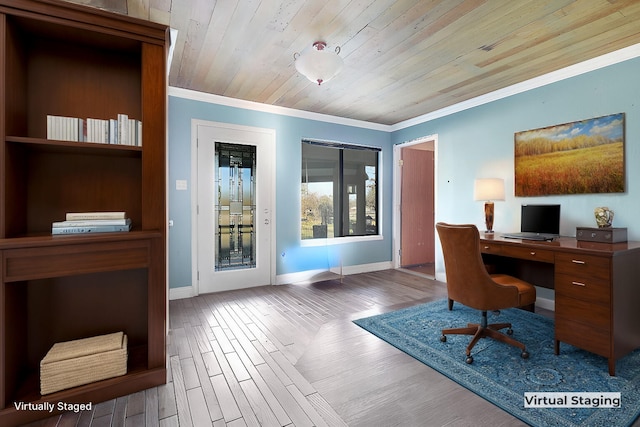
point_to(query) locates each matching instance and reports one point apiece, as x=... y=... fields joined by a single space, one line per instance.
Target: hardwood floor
x=290 y=356
x=424 y=269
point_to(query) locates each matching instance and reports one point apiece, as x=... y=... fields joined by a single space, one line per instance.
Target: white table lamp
x=489 y=190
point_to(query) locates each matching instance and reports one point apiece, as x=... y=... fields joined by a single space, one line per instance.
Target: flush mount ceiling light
x=317 y=63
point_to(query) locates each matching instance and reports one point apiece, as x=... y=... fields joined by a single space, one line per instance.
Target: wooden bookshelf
x=63 y=59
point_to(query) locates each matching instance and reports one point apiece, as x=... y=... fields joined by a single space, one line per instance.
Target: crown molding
x=274 y=109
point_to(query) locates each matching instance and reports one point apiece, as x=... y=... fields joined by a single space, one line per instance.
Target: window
x=339 y=190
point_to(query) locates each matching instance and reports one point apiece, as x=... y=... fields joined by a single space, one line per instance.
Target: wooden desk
x=597 y=288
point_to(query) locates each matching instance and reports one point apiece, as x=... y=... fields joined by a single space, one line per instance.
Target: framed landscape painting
x=581 y=157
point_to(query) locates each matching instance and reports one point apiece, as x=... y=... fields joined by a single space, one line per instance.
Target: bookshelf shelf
x=63 y=59
x=29 y=388
x=76 y=147
x=46 y=239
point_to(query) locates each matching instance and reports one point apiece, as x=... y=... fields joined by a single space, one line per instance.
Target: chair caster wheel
x=469 y=360
x=443 y=338
x=509 y=331
x=524 y=354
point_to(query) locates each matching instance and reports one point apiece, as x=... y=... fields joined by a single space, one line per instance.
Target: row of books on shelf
x=122 y=130
x=92 y=222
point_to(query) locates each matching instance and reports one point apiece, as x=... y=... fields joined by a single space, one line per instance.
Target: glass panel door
x=235 y=209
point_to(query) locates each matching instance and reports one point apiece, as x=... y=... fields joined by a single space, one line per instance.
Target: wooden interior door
x=417 y=236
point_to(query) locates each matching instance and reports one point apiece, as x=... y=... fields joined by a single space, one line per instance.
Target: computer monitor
x=541 y=219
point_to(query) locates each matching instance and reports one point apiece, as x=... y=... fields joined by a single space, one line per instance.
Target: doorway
x=415 y=201
x=235 y=193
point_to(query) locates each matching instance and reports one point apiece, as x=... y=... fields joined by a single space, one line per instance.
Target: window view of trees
x=339 y=194
x=317 y=213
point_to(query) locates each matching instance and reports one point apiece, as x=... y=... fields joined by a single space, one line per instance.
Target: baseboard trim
x=367 y=268
x=310 y=276
x=182 y=292
x=313 y=276
x=546 y=303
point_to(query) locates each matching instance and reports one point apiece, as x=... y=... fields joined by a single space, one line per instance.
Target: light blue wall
x=479 y=143
x=474 y=143
x=290 y=256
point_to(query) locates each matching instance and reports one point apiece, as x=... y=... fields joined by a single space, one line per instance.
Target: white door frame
x=397 y=188
x=194 y=195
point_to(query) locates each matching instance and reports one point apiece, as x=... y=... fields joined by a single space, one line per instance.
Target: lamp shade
x=488 y=189
x=317 y=63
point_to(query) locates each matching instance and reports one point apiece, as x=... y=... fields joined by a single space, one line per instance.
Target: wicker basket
x=73 y=363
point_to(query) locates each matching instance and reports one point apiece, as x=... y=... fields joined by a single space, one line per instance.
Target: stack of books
x=92 y=222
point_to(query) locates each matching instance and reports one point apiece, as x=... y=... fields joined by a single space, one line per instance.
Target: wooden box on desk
x=74 y=363
x=602 y=235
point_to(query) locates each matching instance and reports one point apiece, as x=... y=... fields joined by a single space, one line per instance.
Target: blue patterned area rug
x=501 y=376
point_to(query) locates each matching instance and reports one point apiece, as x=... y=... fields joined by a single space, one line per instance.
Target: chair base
x=485 y=331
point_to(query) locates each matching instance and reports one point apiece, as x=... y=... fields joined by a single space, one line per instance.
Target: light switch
x=181 y=184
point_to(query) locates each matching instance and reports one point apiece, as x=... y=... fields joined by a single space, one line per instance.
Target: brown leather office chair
x=469 y=284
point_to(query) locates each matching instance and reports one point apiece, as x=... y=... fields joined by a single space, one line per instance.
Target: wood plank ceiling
x=402 y=58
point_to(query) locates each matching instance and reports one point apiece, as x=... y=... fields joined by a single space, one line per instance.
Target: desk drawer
x=584 y=266
x=532 y=254
x=586 y=337
x=584 y=288
x=490 y=248
x=573 y=309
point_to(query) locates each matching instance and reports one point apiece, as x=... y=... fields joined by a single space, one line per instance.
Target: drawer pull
x=577 y=261
x=578 y=284
x=532 y=253
x=486 y=247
